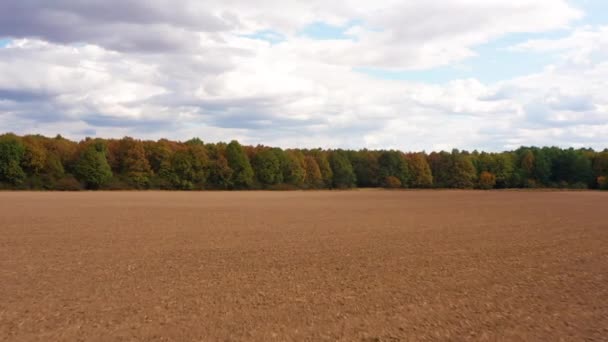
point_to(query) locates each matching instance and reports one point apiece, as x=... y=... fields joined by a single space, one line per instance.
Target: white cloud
x=153 y=69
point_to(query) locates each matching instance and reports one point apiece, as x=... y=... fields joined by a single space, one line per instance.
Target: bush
x=579 y=185
x=531 y=183
x=283 y=187
x=392 y=182
x=602 y=182
x=68 y=183
x=487 y=180
x=117 y=183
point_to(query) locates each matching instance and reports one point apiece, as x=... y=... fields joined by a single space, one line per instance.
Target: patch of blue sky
x=273 y=37
x=494 y=62
x=596 y=12
x=323 y=31
x=5 y=42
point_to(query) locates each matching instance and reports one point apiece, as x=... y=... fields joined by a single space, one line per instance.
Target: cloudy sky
x=406 y=74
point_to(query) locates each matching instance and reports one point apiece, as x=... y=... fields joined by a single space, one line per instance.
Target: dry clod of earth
x=304 y=266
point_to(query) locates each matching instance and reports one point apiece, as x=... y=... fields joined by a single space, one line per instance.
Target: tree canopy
x=38 y=162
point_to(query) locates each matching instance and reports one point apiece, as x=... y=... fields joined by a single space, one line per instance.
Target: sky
x=388 y=74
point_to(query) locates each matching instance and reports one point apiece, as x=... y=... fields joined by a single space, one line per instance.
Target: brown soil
x=305 y=266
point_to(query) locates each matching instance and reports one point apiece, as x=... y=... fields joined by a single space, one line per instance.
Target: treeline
x=38 y=162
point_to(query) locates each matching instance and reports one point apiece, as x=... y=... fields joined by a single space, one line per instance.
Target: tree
x=393 y=164
x=392 y=182
x=92 y=168
x=440 y=163
x=367 y=170
x=344 y=176
x=487 y=180
x=66 y=151
x=293 y=171
x=572 y=167
x=189 y=168
x=220 y=175
x=600 y=166
x=267 y=167
x=133 y=163
x=542 y=167
x=12 y=152
x=420 y=171
x=314 y=178
x=527 y=164
x=159 y=154
x=242 y=176
x=602 y=182
x=38 y=162
x=324 y=166
x=463 y=171
x=34 y=159
x=455 y=170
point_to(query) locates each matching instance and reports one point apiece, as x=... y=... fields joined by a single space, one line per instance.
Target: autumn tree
x=133 y=163
x=324 y=166
x=63 y=150
x=487 y=180
x=600 y=167
x=420 y=171
x=314 y=178
x=220 y=173
x=38 y=162
x=34 y=159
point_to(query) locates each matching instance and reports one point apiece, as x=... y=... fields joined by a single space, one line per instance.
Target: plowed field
x=304 y=266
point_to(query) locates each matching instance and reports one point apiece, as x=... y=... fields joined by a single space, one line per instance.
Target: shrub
x=602 y=182
x=487 y=180
x=392 y=182
x=68 y=183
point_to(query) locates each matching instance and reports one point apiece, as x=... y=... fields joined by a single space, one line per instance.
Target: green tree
x=463 y=172
x=92 y=168
x=573 y=167
x=542 y=167
x=12 y=152
x=453 y=170
x=189 y=167
x=344 y=175
x=294 y=172
x=440 y=163
x=600 y=167
x=242 y=176
x=367 y=170
x=393 y=164
x=267 y=167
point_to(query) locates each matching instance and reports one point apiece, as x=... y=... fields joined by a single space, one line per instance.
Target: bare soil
x=304 y=266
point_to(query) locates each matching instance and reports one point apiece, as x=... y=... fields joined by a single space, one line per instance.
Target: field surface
x=304 y=266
